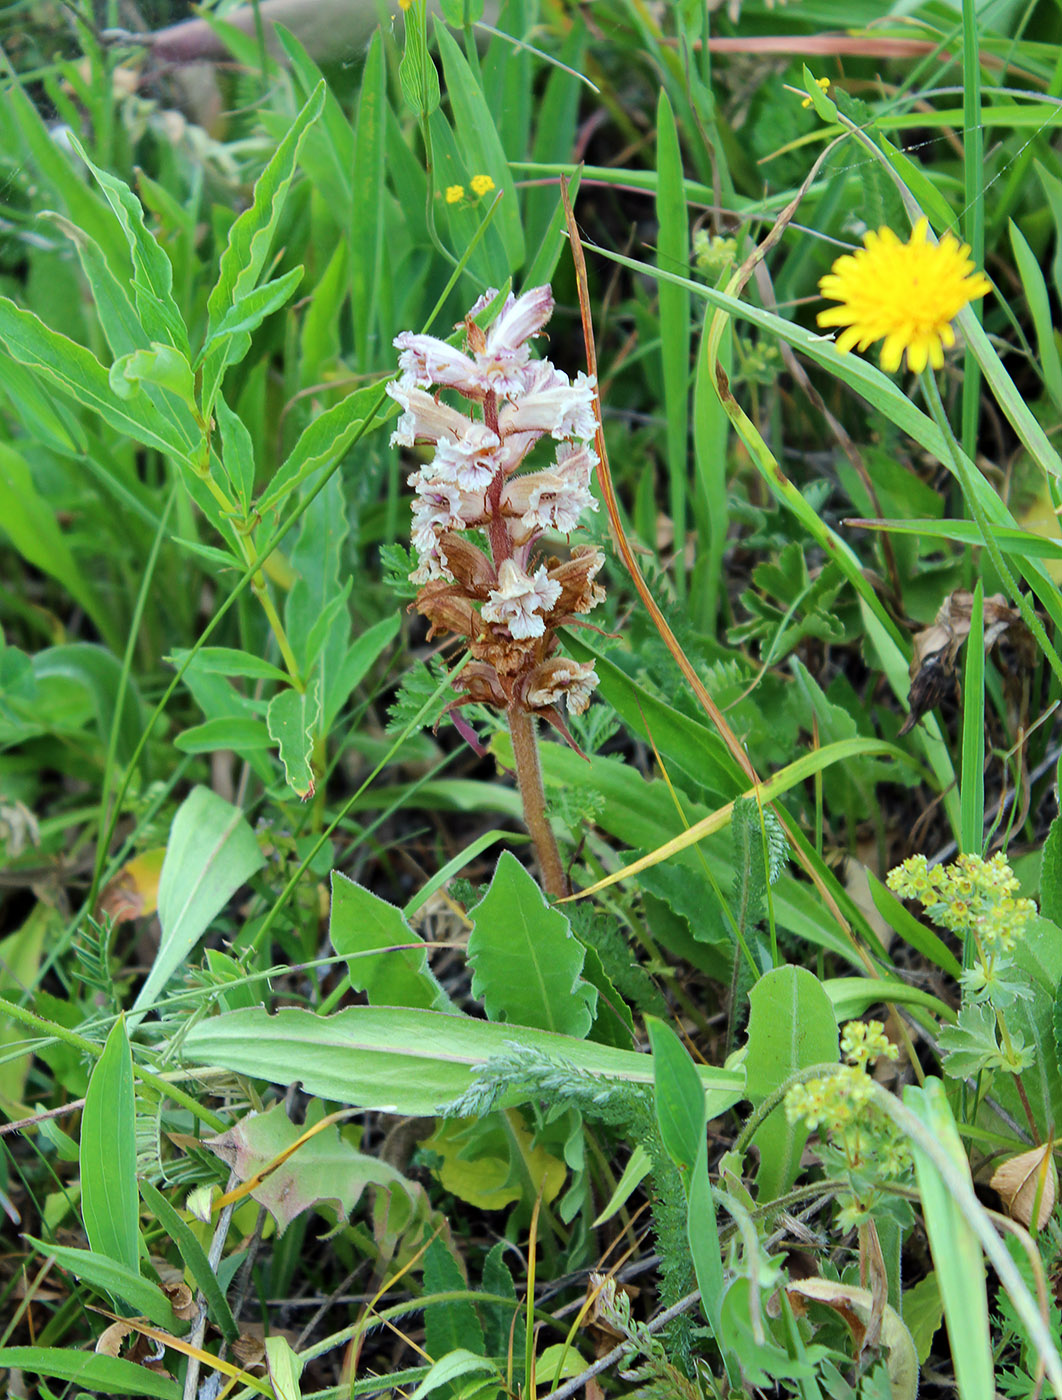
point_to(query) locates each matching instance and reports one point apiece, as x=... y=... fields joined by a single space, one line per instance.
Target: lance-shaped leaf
x=292 y=722
x=210 y=854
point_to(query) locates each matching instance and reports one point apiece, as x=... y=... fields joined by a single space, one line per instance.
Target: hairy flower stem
x=529 y=778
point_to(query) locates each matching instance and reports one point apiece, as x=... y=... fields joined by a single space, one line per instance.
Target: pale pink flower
x=520 y=599
x=519 y=319
x=441 y=505
x=425 y=419
x=563 y=677
x=473 y=460
x=548 y=500
x=498 y=357
x=425 y=360
x=550 y=403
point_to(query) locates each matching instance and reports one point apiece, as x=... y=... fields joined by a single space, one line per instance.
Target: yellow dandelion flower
x=455 y=194
x=823 y=83
x=906 y=294
x=482 y=184
x=404 y=4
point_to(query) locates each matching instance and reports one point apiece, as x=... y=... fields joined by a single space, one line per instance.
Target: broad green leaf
x=237 y=451
x=29 y=523
x=526 y=961
x=109 y=1375
x=108 y=1276
x=493 y=1161
x=241 y=733
x=452 y=1367
x=248 y=246
x=360 y=922
x=158 y=364
x=94 y=674
x=416 y=71
x=325 y=1170
x=1051 y=874
x=923 y=1312
x=108 y=1155
x=327 y=154
x=114 y=306
x=852 y=996
x=77 y=372
x=152 y=270
x=249 y=310
x=284 y=1367
x=791 y=1027
x=400 y=1061
x=323 y=440
x=227 y=661
x=292 y=722
x=453 y=1325
x=682 y=1120
x=679 y=1097
x=954 y=1245
x=317 y=611
x=360 y=656
x=20 y=960
x=210 y=854
x=195 y=1259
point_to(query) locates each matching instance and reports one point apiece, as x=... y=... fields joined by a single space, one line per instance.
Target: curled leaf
x=855 y=1306
x=1023 y=1181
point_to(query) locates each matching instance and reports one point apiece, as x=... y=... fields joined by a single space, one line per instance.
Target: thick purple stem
x=529 y=777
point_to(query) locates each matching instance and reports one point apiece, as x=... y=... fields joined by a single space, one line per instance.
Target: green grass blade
x=109 y=1375
x=673 y=255
x=192 y=1253
x=108 y=1276
x=973 y=144
x=971 y=829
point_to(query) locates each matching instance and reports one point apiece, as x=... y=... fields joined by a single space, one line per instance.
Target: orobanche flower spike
x=906 y=294
x=506 y=603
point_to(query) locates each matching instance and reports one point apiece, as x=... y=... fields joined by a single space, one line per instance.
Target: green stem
x=529 y=780
x=1028 y=613
x=87 y=1047
x=774 y=1098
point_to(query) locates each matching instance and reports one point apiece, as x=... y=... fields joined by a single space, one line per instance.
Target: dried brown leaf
x=1020 y=1179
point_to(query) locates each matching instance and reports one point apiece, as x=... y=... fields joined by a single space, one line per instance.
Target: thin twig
x=616 y=1354
x=198 y=1332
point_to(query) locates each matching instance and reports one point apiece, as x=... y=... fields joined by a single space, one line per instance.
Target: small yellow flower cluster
x=971 y=896
x=840 y=1104
x=823 y=83
x=863 y=1042
x=833 y=1102
x=481 y=185
x=713 y=254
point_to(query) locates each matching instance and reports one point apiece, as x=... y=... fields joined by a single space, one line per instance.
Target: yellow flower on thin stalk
x=481 y=185
x=455 y=194
x=906 y=294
